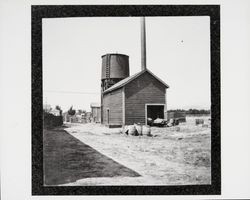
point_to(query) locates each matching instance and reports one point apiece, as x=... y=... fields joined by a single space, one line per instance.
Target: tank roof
x=118 y=54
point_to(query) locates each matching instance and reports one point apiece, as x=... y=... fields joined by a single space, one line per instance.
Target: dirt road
x=171 y=157
x=66 y=160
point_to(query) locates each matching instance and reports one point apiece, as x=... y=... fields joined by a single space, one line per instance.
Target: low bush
x=51 y=121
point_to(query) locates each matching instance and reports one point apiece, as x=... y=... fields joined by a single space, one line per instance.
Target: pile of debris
x=163 y=122
x=137 y=130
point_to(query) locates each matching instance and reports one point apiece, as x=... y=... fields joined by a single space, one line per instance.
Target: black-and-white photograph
x=124 y=99
x=127 y=101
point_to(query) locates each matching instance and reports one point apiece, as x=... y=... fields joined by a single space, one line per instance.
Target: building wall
x=113 y=102
x=143 y=90
x=96 y=114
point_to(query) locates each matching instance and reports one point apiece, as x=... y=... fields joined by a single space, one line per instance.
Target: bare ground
x=66 y=160
x=170 y=157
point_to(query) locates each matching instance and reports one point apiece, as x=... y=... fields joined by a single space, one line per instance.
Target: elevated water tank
x=115 y=66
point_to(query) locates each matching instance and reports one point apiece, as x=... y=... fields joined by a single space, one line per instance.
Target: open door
x=154 y=112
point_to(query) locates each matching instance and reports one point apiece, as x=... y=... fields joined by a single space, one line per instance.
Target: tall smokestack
x=143 y=44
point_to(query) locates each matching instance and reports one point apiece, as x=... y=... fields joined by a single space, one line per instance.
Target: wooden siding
x=143 y=90
x=96 y=114
x=113 y=102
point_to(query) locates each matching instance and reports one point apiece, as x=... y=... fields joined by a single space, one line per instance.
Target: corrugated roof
x=130 y=78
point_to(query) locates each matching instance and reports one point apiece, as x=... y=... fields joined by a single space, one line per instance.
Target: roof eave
x=108 y=91
x=167 y=86
x=141 y=72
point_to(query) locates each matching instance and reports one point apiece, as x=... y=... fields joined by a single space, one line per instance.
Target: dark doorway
x=155 y=111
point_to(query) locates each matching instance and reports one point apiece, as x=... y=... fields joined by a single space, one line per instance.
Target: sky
x=178 y=52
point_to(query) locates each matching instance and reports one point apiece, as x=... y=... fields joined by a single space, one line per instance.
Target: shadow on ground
x=66 y=159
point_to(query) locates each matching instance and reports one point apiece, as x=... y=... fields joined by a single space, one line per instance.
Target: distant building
x=96 y=112
x=88 y=117
x=79 y=118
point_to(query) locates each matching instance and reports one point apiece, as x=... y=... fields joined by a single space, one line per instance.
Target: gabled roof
x=130 y=78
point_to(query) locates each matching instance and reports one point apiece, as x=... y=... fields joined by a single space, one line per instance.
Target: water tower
x=115 y=67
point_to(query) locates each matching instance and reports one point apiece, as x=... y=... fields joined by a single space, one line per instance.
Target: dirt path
x=171 y=158
x=66 y=159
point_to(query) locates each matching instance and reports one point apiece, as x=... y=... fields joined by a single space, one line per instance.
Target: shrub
x=51 y=121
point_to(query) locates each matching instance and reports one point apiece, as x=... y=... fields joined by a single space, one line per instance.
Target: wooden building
x=125 y=99
x=134 y=99
x=96 y=112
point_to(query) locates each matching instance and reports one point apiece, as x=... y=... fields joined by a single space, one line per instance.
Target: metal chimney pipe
x=143 y=44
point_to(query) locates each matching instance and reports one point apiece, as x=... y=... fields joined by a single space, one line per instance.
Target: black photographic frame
x=39 y=12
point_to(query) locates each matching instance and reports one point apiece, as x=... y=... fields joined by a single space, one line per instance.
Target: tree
x=71 y=111
x=47 y=108
x=191 y=111
x=59 y=108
